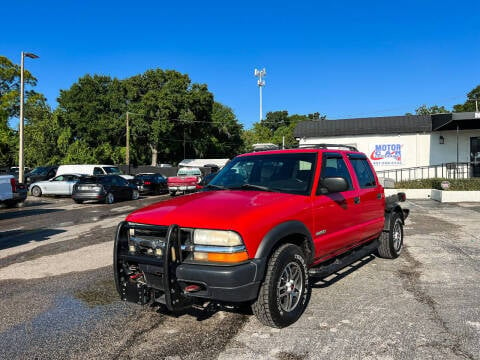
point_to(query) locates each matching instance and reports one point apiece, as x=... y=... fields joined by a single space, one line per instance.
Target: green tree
x=41 y=133
x=35 y=108
x=226 y=137
x=277 y=127
x=428 y=110
x=470 y=103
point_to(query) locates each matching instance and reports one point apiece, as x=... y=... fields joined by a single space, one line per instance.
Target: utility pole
x=261 y=83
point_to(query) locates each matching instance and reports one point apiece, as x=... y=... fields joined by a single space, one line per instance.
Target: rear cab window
x=363 y=171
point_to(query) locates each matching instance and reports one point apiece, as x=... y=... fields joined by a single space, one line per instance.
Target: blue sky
x=340 y=58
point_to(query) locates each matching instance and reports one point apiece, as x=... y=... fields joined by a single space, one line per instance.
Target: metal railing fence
x=453 y=170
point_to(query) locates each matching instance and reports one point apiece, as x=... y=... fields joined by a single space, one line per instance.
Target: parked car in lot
x=106 y=188
x=187 y=180
x=40 y=173
x=257 y=234
x=11 y=191
x=59 y=185
x=89 y=169
x=151 y=183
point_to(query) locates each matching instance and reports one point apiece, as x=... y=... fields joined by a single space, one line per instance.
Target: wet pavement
x=58 y=300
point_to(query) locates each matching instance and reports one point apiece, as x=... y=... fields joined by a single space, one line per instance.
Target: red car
x=186 y=181
x=266 y=224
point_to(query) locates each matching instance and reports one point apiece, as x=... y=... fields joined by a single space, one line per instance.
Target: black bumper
x=88 y=196
x=20 y=195
x=237 y=283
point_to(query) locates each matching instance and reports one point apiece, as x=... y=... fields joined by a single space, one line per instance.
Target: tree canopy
x=276 y=126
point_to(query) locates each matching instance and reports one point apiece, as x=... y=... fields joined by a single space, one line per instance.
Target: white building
x=406 y=147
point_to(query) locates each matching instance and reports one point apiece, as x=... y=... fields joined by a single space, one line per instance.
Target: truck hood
x=222 y=209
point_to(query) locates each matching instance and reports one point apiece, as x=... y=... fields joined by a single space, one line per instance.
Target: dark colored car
x=151 y=183
x=107 y=188
x=40 y=173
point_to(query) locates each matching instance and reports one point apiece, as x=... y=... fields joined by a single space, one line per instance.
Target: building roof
x=364 y=126
x=388 y=125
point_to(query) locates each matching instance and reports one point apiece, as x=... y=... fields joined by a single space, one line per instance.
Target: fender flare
x=275 y=235
x=396 y=208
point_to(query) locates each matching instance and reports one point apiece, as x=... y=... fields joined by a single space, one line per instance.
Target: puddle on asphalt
x=101 y=293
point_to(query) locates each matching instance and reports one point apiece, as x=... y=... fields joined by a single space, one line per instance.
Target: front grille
x=150 y=240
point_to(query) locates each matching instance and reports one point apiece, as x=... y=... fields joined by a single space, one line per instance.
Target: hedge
x=455 y=184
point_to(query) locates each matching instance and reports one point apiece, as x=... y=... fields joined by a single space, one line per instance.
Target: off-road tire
x=109 y=198
x=36 y=191
x=267 y=307
x=391 y=241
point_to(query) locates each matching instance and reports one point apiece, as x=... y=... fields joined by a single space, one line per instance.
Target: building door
x=475 y=155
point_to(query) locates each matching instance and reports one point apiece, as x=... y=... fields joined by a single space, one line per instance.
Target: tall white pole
x=260 y=74
x=20 y=153
x=261 y=111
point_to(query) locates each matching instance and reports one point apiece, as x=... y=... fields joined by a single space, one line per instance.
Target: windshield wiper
x=219 y=187
x=252 y=186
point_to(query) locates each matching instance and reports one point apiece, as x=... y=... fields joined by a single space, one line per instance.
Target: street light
x=260 y=74
x=20 y=153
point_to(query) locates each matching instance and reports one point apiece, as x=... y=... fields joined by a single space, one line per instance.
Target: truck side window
x=334 y=166
x=364 y=173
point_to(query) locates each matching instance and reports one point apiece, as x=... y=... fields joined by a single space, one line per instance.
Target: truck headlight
x=218 y=246
x=216 y=238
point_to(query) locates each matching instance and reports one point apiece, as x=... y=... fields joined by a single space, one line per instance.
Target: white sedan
x=59 y=185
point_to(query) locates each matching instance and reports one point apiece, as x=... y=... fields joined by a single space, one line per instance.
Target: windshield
x=289 y=173
x=39 y=171
x=112 y=170
x=189 y=172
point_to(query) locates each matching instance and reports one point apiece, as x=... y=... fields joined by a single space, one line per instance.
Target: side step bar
x=321 y=271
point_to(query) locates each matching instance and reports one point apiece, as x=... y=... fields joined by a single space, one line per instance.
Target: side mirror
x=334 y=184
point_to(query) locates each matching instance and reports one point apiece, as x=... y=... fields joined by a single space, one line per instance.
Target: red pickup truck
x=258 y=233
x=186 y=181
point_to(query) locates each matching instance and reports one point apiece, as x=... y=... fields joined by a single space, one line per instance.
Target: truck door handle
x=356 y=200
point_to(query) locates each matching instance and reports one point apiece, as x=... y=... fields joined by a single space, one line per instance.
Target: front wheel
x=285 y=292
x=391 y=242
x=36 y=191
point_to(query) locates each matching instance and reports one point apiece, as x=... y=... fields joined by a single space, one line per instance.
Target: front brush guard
x=141 y=290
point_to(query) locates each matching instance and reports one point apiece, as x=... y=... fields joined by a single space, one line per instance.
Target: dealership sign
x=386 y=154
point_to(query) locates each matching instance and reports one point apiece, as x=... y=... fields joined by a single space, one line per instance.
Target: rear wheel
x=391 y=242
x=135 y=195
x=285 y=292
x=36 y=191
x=109 y=198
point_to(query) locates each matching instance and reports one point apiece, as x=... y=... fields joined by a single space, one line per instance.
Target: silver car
x=59 y=185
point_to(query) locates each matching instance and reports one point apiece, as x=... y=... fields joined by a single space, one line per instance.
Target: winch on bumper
x=156 y=264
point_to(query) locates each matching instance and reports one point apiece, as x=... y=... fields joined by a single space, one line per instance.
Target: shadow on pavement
x=14 y=238
x=25 y=212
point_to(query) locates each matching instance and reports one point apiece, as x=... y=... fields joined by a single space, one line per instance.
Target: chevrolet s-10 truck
x=267 y=225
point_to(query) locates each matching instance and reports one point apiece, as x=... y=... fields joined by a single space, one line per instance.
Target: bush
x=455 y=184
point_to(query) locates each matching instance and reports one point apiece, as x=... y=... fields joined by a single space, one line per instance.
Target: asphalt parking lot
x=57 y=298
